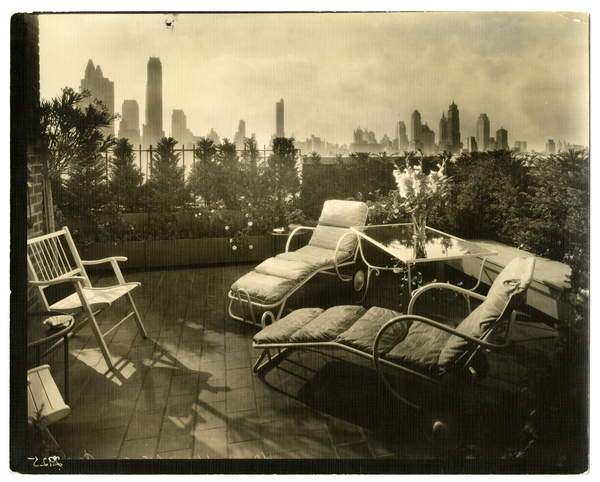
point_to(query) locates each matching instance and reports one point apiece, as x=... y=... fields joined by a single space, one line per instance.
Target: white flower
x=247 y=215
x=249 y=223
x=250 y=246
x=231 y=240
x=234 y=247
x=226 y=228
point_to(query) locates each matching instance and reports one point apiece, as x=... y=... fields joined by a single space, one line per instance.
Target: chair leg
x=100 y=338
x=138 y=319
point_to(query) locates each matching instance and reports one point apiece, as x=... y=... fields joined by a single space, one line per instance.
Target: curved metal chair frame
x=380 y=363
x=246 y=303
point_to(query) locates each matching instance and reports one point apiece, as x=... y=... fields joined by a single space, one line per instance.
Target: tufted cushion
x=329 y=324
x=512 y=282
x=343 y=214
x=421 y=347
x=281 y=331
x=361 y=335
x=264 y=287
x=285 y=268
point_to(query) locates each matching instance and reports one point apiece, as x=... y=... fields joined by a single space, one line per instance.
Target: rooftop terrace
x=188 y=391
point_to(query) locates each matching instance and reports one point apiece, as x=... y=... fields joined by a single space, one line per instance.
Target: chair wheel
x=358 y=280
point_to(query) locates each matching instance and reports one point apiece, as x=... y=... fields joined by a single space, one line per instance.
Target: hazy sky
x=528 y=72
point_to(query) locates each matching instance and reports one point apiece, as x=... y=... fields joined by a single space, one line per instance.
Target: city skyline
x=218 y=74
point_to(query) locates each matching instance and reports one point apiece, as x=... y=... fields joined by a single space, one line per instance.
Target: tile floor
x=188 y=391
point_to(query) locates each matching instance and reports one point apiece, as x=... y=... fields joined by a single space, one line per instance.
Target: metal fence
x=187 y=158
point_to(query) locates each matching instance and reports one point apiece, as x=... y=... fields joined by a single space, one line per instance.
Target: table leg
x=66 y=347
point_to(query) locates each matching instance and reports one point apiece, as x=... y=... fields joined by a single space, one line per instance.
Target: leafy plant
x=420 y=194
x=282 y=172
x=74 y=137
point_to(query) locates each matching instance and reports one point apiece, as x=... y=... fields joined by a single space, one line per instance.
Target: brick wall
x=28 y=80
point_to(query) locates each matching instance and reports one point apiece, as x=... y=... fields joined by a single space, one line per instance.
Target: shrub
x=166 y=185
x=126 y=179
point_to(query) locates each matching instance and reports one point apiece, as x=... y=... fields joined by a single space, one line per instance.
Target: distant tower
x=179 y=129
x=401 y=136
x=415 y=128
x=153 y=128
x=443 y=133
x=129 y=126
x=521 y=146
x=483 y=132
x=279 y=119
x=502 y=139
x=427 y=139
x=454 y=128
x=471 y=144
x=240 y=135
x=550 y=146
x=100 y=88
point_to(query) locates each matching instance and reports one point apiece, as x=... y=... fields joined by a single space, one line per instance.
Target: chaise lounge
x=331 y=247
x=414 y=344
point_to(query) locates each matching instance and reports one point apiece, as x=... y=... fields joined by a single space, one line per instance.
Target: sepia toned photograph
x=312 y=242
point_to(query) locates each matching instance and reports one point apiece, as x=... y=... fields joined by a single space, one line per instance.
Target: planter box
x=180 y=252
x=550 y=278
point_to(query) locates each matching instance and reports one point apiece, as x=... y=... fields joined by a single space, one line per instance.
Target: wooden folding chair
x=53 y=259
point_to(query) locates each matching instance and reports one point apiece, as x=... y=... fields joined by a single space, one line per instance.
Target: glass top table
x=394 y=247
x=398 y=241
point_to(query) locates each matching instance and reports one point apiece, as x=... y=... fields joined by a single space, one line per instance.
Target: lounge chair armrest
x=104 y=260
x=439 y=326
x=293 y=233
x=337 y=249
x=70 y=279
x=419 y=291
x=113 y=260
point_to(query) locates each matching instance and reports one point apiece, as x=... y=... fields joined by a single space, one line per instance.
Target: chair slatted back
x=52 y=257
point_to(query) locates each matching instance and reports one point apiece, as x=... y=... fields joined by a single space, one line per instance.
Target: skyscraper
x=521 y=146
x=550 y=146
x=443 y=133
x=427 y=139
x=502 y=139
x=454 y=144
x=483 y=132
x=100 y=88
x=279 y=119
x=401 y=136
x=153 y=128
x=129 y=126
x=179 y=129
x=471 y=144
x=415 y=130
x=240 y=135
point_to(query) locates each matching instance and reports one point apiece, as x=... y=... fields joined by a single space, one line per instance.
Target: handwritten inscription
x=52 y=461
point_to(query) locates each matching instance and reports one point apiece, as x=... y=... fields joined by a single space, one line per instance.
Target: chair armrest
x=293 y=233
x=419 y=291
x=70 y=279
x=104 y=260
x=337 y=248
x=113 y=260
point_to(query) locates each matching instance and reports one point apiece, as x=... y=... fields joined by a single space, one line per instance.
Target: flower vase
x=419 y=236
